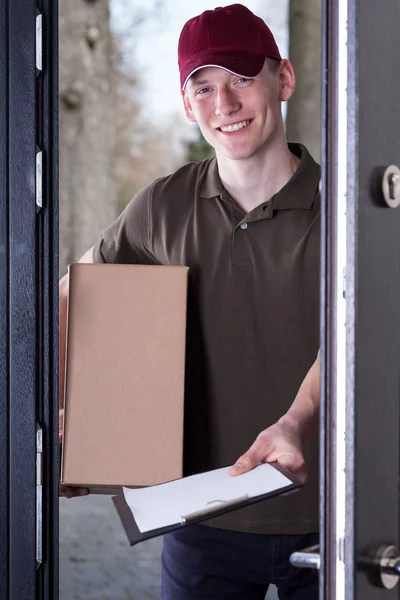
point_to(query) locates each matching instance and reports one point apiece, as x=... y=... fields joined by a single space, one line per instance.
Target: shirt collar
x=299 y=191
x=212 y=185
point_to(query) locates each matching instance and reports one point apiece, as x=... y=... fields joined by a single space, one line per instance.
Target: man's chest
x=222 y=244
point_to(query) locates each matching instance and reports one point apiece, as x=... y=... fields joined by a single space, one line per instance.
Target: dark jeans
x=201 y=562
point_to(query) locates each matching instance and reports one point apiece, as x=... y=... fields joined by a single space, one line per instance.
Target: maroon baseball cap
x=232 y=38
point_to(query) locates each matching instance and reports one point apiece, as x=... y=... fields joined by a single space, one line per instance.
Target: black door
x=360 y=293
x=28 y=301
x=373 y=366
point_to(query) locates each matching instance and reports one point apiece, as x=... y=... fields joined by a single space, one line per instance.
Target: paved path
x=96 y=561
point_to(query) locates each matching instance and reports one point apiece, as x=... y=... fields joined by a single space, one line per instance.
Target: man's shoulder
x=183 y=183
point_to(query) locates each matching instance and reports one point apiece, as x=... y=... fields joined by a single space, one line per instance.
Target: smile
x=235 y=126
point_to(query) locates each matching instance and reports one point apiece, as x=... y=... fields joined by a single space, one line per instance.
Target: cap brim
x=242 y=64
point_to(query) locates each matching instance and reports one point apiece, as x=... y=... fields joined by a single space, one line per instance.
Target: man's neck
x=255 y=180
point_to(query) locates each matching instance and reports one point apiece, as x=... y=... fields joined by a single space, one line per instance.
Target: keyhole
x=391 y=186
x=394 y=179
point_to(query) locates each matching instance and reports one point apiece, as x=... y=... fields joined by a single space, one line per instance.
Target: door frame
x=28 y=300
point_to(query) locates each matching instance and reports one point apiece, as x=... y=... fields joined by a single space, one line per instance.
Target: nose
x=226 y=102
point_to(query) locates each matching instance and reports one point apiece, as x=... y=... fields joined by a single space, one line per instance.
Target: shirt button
x=244 y=226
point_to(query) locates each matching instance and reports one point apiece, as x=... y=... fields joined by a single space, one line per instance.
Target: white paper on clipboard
x=167 y=504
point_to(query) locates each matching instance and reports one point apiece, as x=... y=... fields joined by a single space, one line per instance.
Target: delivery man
x=247 y=223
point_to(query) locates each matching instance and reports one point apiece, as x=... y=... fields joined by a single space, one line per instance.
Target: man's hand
x=283 y=441
x=63 y=490
x=279 y=443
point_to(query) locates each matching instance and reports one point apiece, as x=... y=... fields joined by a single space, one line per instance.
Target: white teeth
x=235 y=127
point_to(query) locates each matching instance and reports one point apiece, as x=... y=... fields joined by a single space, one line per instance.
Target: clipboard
x=135 y=536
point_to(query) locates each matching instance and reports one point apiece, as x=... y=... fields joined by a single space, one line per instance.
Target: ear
x=287 y=80
x=188 y=107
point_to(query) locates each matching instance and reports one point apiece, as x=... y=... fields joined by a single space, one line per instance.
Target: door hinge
x=39 y=497
x=341 y=549
x=39 y=43
x=39 y=180
x=344 y=283
x=39 y=154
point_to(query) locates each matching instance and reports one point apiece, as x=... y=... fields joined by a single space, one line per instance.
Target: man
x=247 y=225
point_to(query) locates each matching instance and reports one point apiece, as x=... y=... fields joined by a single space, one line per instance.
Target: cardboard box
x=124 y=377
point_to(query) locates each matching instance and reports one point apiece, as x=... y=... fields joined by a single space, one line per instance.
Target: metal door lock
x=391 y=186
x=383 y=566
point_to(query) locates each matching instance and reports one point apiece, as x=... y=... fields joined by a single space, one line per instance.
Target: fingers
x=65 y=491
x=288 y=456
x=247 y=461
x=243 y=464
x=60 y=419
x=291 y=492
x=289 y=460
x=294 y=463
x=60 y=424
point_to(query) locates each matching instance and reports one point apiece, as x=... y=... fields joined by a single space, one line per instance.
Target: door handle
x=309 y=558
x=383 y=565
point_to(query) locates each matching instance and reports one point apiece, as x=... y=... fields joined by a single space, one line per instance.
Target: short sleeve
x=127 y=240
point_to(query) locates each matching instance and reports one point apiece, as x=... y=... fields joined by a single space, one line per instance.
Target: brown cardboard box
x=124 y=382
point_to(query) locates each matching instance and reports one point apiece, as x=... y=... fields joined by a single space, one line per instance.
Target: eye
x=244 y=80
x=203 y=90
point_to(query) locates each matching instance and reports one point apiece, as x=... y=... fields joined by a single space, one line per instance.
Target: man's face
x=238 y=117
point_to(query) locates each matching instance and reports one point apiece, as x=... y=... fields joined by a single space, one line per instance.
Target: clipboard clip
x=210 y=510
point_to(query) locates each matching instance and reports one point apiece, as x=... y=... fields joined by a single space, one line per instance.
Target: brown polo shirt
x=253 y=314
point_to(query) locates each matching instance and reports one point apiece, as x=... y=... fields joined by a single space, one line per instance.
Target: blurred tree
x=303 y=122
x=108 y=149
x=87 y=126
x=198 y=149
x=144 y=149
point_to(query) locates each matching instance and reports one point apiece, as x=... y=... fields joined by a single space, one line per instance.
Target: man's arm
x=63 y=288
x=304 y=412
x=283 y=441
